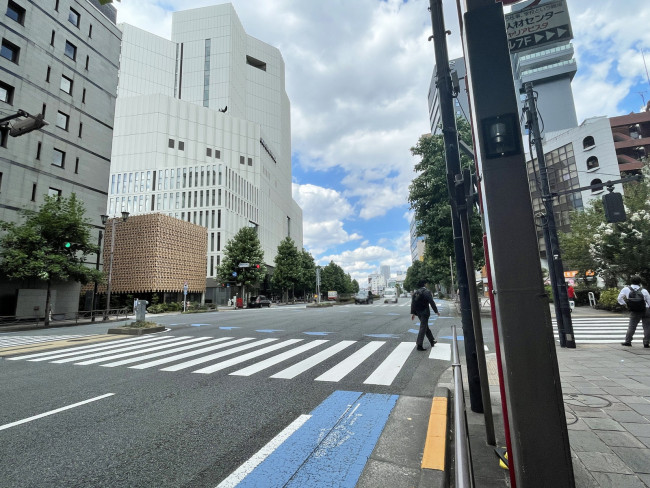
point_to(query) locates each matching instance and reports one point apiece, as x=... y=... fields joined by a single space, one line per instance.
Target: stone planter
x=135 y=330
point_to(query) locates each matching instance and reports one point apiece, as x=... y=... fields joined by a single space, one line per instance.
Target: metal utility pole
x=553 y=254
x=541 y=455
x=452 y=157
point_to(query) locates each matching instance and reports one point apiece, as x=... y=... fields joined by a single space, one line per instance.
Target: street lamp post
x=99 y=249
x=125 y=215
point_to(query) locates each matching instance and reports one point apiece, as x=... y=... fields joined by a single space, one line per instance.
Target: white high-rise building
x=203 y=132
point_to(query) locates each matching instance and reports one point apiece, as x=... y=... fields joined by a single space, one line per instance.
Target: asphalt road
x=192 y=421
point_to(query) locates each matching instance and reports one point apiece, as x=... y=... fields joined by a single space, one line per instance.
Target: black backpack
x=419 y=298
x=635 y=300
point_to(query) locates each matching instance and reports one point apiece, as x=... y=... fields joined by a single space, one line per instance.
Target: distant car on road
x=259 y=302
x=390 y=295
x=362 y=297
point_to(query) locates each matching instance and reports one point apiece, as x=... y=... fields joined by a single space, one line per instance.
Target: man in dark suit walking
x=420 y=302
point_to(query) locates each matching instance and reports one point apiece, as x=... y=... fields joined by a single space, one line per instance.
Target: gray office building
x=59 y=58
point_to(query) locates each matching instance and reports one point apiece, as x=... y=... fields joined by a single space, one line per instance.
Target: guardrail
x=87 y=315
x=463 y=456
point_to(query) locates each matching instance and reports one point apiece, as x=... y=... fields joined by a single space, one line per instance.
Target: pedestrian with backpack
x=420 y=302
x=637 y=300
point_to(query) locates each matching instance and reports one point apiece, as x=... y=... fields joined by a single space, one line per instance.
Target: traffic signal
x=614 y=208
x=257 y=266
x=67 y=245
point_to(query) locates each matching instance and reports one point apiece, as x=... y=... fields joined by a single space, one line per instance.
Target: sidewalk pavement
x=606 y=390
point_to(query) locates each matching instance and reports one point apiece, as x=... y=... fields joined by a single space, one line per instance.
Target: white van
x=390 y=295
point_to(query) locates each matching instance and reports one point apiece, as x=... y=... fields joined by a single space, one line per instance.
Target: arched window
x=592 y=163
x=599 y=186
x=588 y=142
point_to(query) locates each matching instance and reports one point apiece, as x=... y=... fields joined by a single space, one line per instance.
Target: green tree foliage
x=429 y=198
x=286 y=275
x=355 y=286
x=416 y=272
x=614 y=251
x=50 y=245
x=307 y=272
x=244 y=247
x=333 y=278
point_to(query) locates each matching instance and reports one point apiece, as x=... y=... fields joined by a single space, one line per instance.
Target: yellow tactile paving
x=44 y=346
x=434 y=447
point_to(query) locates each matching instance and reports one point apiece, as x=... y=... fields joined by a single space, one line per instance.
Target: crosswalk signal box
x=614 y=208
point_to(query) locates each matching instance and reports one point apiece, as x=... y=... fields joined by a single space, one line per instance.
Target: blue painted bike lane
x=330 y=449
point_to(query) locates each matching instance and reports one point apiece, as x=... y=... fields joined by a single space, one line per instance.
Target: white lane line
x=167 y=345
x=205 y=359
x=339 y=371
x=138 y=348
x=262 y=365
x=388 y=370
x=312 y=361
x=163 y=353
x=240 y=359
x=171 y=359
x=442 y=351
x=52 y=412
x=74 y=349
x=245 y=469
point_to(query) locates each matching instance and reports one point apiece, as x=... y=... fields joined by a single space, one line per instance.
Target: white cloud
x=323 y=210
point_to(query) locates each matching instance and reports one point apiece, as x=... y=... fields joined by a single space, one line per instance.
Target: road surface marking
x=74 y=350
x=171 y=359
x=240 y=473
x=257 y=367
x=52 y=412
x=312 y=361
x=245 y=357
x=388 y=370
x=217 y=355
x=166 y=345
x=339 y=371
x=441 y=351
x=163 y=353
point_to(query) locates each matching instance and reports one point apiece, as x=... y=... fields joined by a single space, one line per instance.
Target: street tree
x=355 y=286
x=286 y=275
x=51 y=245
x=307 y=273
x=429 y=198
x=614 y=251
x=333 y=278
x=244 y=247
x=416 y=272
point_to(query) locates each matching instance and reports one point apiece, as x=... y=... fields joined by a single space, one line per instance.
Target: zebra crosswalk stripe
x=312 y=361
x=338 y=372
x=240 y=359
x=272 y=361
x=167 y=345
x=217 y=355
x=25 y=340
x=388 y=370
x=171 y=359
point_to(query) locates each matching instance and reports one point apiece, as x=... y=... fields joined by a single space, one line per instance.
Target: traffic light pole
x=553 y=254
x=452 y=158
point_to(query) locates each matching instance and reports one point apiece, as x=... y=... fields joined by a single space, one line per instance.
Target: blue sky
x=357 y=76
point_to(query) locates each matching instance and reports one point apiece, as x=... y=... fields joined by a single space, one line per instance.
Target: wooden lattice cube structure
x=156 y=253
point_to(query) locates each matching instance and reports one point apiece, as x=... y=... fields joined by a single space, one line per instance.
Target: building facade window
x=70 y=50
x=47 y=74
x=250 y=161
x=81 y=126
x=16 y=12
x=58 y=158
x=66 y=84
x=83 y=96
x=170 y=144
x=181 y=146
x=53 y=192
x=38 y=150
x=9 y=51
x=592 y=163
x=597 y=186
x=62 y=120
x=4 y=136
x=588 y=142
x=242 y=160
x=73 y=17
x=76 y=166
x=6 y=93
x=34 y=192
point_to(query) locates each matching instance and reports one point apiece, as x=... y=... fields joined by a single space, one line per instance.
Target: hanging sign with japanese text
x=534 y=27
